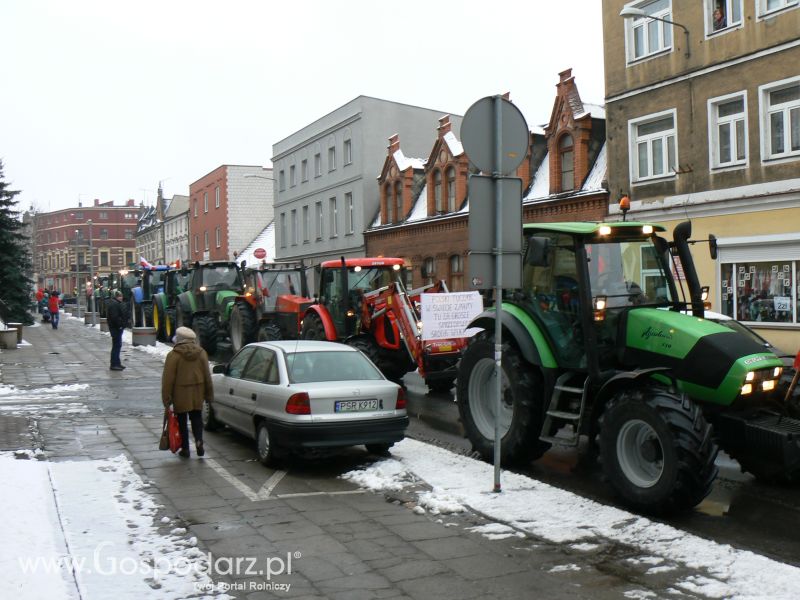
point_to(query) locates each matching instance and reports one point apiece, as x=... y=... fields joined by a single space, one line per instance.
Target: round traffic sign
x=480 y=135
x=260 y=253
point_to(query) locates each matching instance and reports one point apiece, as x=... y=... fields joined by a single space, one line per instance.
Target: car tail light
x=298 y=404
x=401 y=399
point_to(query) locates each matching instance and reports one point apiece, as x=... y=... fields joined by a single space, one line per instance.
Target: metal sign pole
x=498 y=290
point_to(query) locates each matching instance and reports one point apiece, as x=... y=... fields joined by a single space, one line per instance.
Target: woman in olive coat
x=186 y=384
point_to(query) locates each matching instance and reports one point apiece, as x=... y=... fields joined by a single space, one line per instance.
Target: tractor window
x=221 y=277
x=552 y=293
x=627 y=273
x=368 y=279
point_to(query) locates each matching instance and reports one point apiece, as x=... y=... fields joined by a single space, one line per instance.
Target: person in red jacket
x=52 y=305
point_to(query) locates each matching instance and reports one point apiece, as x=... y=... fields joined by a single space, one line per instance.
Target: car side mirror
x=219 y=369
x=538 y=251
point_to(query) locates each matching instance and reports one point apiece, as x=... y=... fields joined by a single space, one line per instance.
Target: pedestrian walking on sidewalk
x=186 y=384
x=52 y=306
x=116 y=318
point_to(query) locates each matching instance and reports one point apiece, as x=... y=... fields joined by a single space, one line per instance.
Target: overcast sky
x=103 y=99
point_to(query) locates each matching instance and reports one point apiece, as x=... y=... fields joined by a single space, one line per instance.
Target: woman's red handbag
x=174 y=431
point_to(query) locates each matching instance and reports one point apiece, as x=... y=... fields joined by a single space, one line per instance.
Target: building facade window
x=723 y=14
x=348 y=152
x=306 y=224
x=456 y=264
x=349 y=213
x=304 y=170
x=333 y=217
x=104 y=234
x=218 y=235
x=128 y=234
x=292 y=176
x=216 y=197
x=450 y=182
x=194 y=210
x=780 y=119
x=196 y=243
x=332 y=158
x=437 y=191
x=294 y=227
x=398 y=201
x=645 y=36
x=103 y=215
x=727 y=130
x=103 y=258
x=566 y=156
x=205 y=239
x=128 y=258
x=317 y=165
x=765 y=7
x=429 y=268
x=281 y=180
x=283 y=230
x=761 y=292
x=653 y=149
x=318 y=225
x=389 y=203
x=205 y=202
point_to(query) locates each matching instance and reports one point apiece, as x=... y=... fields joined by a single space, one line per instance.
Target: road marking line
x=222 y=472
x=267 y=488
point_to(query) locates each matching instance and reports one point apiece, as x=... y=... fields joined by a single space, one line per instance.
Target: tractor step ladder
x=558 y=417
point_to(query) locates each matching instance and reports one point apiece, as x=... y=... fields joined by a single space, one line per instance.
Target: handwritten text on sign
x=447 y=315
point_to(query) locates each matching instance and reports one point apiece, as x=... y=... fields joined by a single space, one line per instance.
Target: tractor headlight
x=747 y=388
x=203 y=288
x=777 y=372
x=768 y=385
x=750 y=376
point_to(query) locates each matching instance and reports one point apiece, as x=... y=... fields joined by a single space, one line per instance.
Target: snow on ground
x=88 y=529
x=530 y=506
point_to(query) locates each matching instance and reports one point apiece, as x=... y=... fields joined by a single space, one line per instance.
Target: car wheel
x=210 y=422
x=266 y=449
x=379 y=449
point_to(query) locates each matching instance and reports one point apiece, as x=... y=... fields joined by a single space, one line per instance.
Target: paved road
x=349 y=544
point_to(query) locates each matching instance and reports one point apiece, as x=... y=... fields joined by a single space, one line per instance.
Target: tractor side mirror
x=538 y=251
x=712 y=246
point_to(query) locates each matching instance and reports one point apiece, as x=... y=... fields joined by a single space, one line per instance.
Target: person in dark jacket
x=116 y=319
x=186 y=384
x=52 y=306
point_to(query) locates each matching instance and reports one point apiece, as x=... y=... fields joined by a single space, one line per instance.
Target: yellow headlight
x=777 y=372
x=747 y=388
x=750 y=376
x=768 y=385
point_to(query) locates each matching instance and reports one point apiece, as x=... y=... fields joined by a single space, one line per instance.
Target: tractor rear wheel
x=521 y=412
x=182 y=318
x=243 y=326
x=159 y=319
x=147 y=314
x=269 y=332
x=169 y=324
x=657 y=450
x=205 y=328
x=313 y=329
x=368 y=347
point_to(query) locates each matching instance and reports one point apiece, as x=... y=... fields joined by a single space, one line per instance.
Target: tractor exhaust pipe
x=681 y=235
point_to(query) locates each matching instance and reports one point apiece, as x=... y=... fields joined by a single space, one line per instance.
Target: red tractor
x=363 y=302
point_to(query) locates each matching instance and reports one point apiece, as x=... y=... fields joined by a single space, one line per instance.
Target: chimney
x=444 y=126
x=131 y=202
x=394 y=143
x=97 y=201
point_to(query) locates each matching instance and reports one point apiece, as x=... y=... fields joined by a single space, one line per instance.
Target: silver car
x=295 y=395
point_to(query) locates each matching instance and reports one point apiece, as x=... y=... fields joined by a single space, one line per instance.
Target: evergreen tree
x=15 y=259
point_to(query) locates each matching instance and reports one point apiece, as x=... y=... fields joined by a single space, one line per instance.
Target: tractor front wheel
x=182 y=317
x=269 y=332
x=159 y=319
x=243 y=326
x=313 y=329
x=521 y=409
x=657 y=450
x=205 y=327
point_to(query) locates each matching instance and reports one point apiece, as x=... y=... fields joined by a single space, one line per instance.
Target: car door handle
x=252 y=396
x=230 y=391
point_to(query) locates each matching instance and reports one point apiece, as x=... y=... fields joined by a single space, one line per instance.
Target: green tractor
x=596 y=343
x=207 y=303
x=152 y=282
x=174 y=283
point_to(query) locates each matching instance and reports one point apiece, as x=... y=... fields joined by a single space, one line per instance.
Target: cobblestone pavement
x=346 y=543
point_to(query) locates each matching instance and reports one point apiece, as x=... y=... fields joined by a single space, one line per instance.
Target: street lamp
x=631 y=12
x=91 y=274
x=256 y=176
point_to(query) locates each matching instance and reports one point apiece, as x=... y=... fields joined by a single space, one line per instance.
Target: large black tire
x=210 y=422
x=137 y=319
x=243 y=326
x=313 y=329
x=657 y=450
x=147 y=314
x=205 y=328
x=269 y=332
x=368 y=347
x=169 y=325
x=182 y=317
x=522 y=402
x=160 y=319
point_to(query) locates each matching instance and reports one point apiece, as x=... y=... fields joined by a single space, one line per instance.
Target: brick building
x=424 y=204
x=704 y=124
x=228 y=207
x=62 y=243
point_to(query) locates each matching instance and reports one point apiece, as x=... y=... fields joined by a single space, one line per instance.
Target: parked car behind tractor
x=595 y=344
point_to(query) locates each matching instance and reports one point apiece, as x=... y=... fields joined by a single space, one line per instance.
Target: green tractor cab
x=598 y=343
x=175 y=282
x=207 y=303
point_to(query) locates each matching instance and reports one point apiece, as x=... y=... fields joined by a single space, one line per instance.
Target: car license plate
x=355 y=405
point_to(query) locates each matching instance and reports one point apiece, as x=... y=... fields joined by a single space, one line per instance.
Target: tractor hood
x=710 y=361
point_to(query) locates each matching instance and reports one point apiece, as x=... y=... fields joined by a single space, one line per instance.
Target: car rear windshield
x=307 y=367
